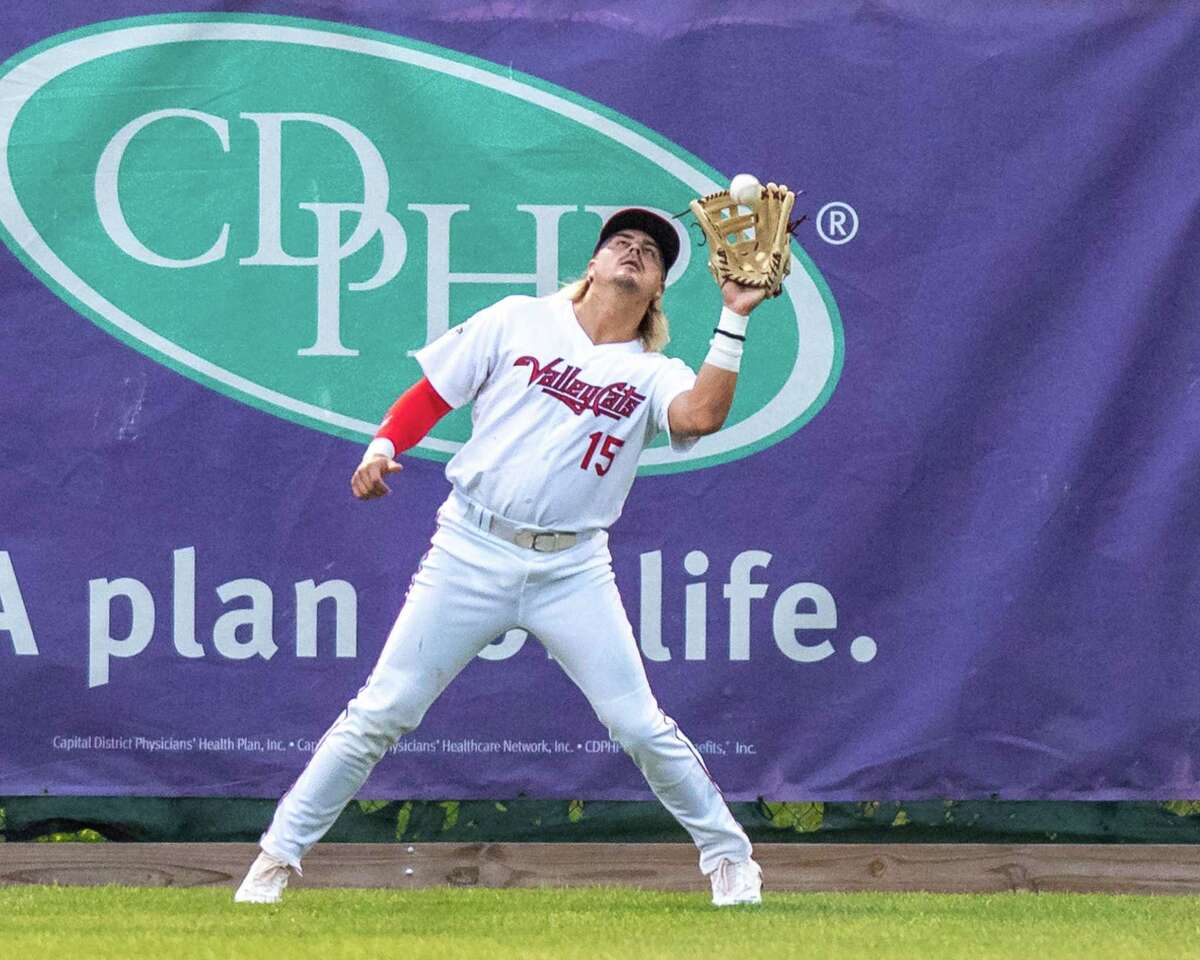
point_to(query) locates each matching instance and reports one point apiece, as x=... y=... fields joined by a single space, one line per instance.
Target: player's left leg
x=577 y=613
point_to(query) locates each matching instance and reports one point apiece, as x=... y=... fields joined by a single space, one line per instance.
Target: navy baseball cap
x=659 y=228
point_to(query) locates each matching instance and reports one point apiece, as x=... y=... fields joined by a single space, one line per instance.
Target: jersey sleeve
x=458 y=363
x=674 y=377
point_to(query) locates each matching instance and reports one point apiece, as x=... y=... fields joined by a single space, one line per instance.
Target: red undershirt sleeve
x=409 y=419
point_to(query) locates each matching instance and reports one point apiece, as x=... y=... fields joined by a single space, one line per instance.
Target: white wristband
x=727 y=358
x=380 y=446
x=733 y=323
x=725 y=348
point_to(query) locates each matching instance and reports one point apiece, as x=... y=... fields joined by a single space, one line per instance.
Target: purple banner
x=945 y=545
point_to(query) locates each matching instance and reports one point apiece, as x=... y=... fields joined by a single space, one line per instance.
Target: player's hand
x=741 y=299
x=367 y=482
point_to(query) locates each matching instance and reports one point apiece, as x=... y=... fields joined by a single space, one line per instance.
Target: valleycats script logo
x=617 y=400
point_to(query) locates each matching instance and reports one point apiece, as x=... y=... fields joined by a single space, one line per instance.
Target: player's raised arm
x=748 y=234
x=409 y=419
x=703 y=409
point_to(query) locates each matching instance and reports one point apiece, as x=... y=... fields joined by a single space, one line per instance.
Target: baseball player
x=567 y=390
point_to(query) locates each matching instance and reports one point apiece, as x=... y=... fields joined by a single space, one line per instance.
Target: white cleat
x=736 y=883
x=264 y=881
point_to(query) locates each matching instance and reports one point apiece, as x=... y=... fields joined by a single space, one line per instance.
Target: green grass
x=599 y=923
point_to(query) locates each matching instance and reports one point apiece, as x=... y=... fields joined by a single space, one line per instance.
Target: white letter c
x=108 y=203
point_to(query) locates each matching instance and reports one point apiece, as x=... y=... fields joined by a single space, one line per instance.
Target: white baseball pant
x=470 y=588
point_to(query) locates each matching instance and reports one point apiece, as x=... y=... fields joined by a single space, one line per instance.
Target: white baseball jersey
x=559 y=422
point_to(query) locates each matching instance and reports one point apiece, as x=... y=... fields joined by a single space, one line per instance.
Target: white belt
x=530 y=538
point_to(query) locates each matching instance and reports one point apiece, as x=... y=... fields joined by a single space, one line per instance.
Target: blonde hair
x=654 y=330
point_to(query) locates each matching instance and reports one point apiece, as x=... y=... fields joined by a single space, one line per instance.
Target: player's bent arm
x=409 y=419
x=703 y=409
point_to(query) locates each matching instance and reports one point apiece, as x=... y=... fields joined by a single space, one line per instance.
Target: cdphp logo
x=374 y=220
x=291 y=244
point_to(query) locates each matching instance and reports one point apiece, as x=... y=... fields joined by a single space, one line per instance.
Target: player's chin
x=629 y=280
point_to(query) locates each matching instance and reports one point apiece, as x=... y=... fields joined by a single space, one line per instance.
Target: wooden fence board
x=952 y=868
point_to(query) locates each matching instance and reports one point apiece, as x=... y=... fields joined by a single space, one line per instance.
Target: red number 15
x=607 y=451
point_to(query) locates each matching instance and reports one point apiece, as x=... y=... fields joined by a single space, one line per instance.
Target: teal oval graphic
x=294 y=207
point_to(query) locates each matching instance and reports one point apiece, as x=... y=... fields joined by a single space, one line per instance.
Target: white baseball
x=745 y=187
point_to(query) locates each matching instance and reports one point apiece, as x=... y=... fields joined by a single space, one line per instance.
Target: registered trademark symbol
x=837 y=222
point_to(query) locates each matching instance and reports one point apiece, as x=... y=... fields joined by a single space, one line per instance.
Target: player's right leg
x=461 y=598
